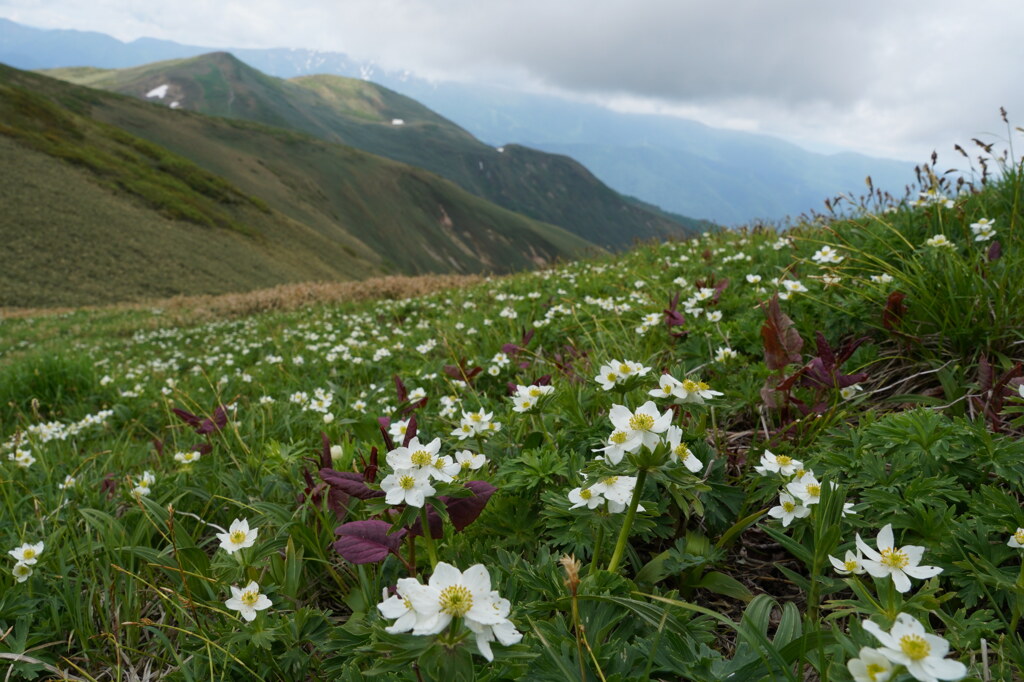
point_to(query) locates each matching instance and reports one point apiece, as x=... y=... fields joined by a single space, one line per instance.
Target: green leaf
x=720 y=583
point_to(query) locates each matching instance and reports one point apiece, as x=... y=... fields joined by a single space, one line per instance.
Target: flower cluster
x=617 y=373
x=25 y=558
x=452 y=595
x=478 y=424
x=528 y=398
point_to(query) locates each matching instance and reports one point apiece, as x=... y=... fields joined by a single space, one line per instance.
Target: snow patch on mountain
x=159 y=92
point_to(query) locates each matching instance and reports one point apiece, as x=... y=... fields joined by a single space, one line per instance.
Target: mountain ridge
x=552 y=188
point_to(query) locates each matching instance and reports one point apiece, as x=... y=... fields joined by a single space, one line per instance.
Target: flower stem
x=428 y=540
x=620 y=544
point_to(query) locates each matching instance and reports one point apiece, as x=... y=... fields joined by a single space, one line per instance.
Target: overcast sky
x=894 y=78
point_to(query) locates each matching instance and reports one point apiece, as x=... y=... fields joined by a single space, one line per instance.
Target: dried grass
x=280 y=298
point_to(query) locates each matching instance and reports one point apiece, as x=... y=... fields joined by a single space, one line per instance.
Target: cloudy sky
x=894 y=78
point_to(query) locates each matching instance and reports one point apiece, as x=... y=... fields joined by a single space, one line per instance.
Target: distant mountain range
x=683 y=166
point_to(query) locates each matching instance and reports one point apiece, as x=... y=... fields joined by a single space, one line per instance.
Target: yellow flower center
x=475 y=417
x=610 y=481
x=641 y=422
x=874 y=670
x=1019 y=536
x=784 y=460
x=618 y=437
x=813 y=490
x=624 y=369
x=526 y=404
x=237 y=537
x=788 y=507
x=535 y=392
x=407 y=482
x=702 y=386
x=915 y=647
x=611 y=376
x=850 y=565
x=894 y=558
x=456 y=600
x=421 y=458
x=682 y=452
x=586 y=494
x=666 y=388
x=690 y=386
x=29 y=553
x=250 y=597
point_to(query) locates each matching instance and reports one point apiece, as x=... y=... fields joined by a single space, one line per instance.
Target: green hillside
x=133 y=201
x=544 y=186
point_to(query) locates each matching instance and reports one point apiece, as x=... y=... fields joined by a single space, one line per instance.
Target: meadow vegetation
x=747 y=456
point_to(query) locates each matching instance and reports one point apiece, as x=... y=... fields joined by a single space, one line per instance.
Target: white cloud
x=889 y=78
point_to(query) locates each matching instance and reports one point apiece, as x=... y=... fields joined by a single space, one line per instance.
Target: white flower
x=667 y=387
x=849 y=392
x=585 y=497
x=247 y=601
x=467 y=459
x=444 y=468
x=714 y=315
x=451 y=593
x=884 y=278
x=807 y=488
x=617 y=489
x=779 y=464
x=187 y=457
x=679 y=450
x=921 y=653
x=398 y=606
x=691 y=391
x=827 y=254
x=415 y=455
x=1017 y=539
x=27 y=553
x=619 y=443
x=788 y=509
x=21 y=571
x=793 y=286
x=939 y=241
x=897 y=562
x=872 y=666
x=724 y=354
x=851 y=563
x=646 y=421
x=69 y=482
x=983 y=230
x=239 y=536
x=753 y=279
x=407 y=486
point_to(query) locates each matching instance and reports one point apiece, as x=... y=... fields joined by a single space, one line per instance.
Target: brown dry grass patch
x=283 y=297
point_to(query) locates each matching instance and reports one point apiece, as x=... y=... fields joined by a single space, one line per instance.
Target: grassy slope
x=948 y=478
x=544 y=186
x=323 y=211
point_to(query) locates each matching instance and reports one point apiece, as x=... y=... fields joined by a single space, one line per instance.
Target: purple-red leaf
x=782 y=342
x=349 y=483
x=892 y=315
x=365 y=542
x=464 y=510
x=995 y=252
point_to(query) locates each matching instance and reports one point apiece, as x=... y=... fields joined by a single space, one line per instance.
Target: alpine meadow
x=299 y=380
